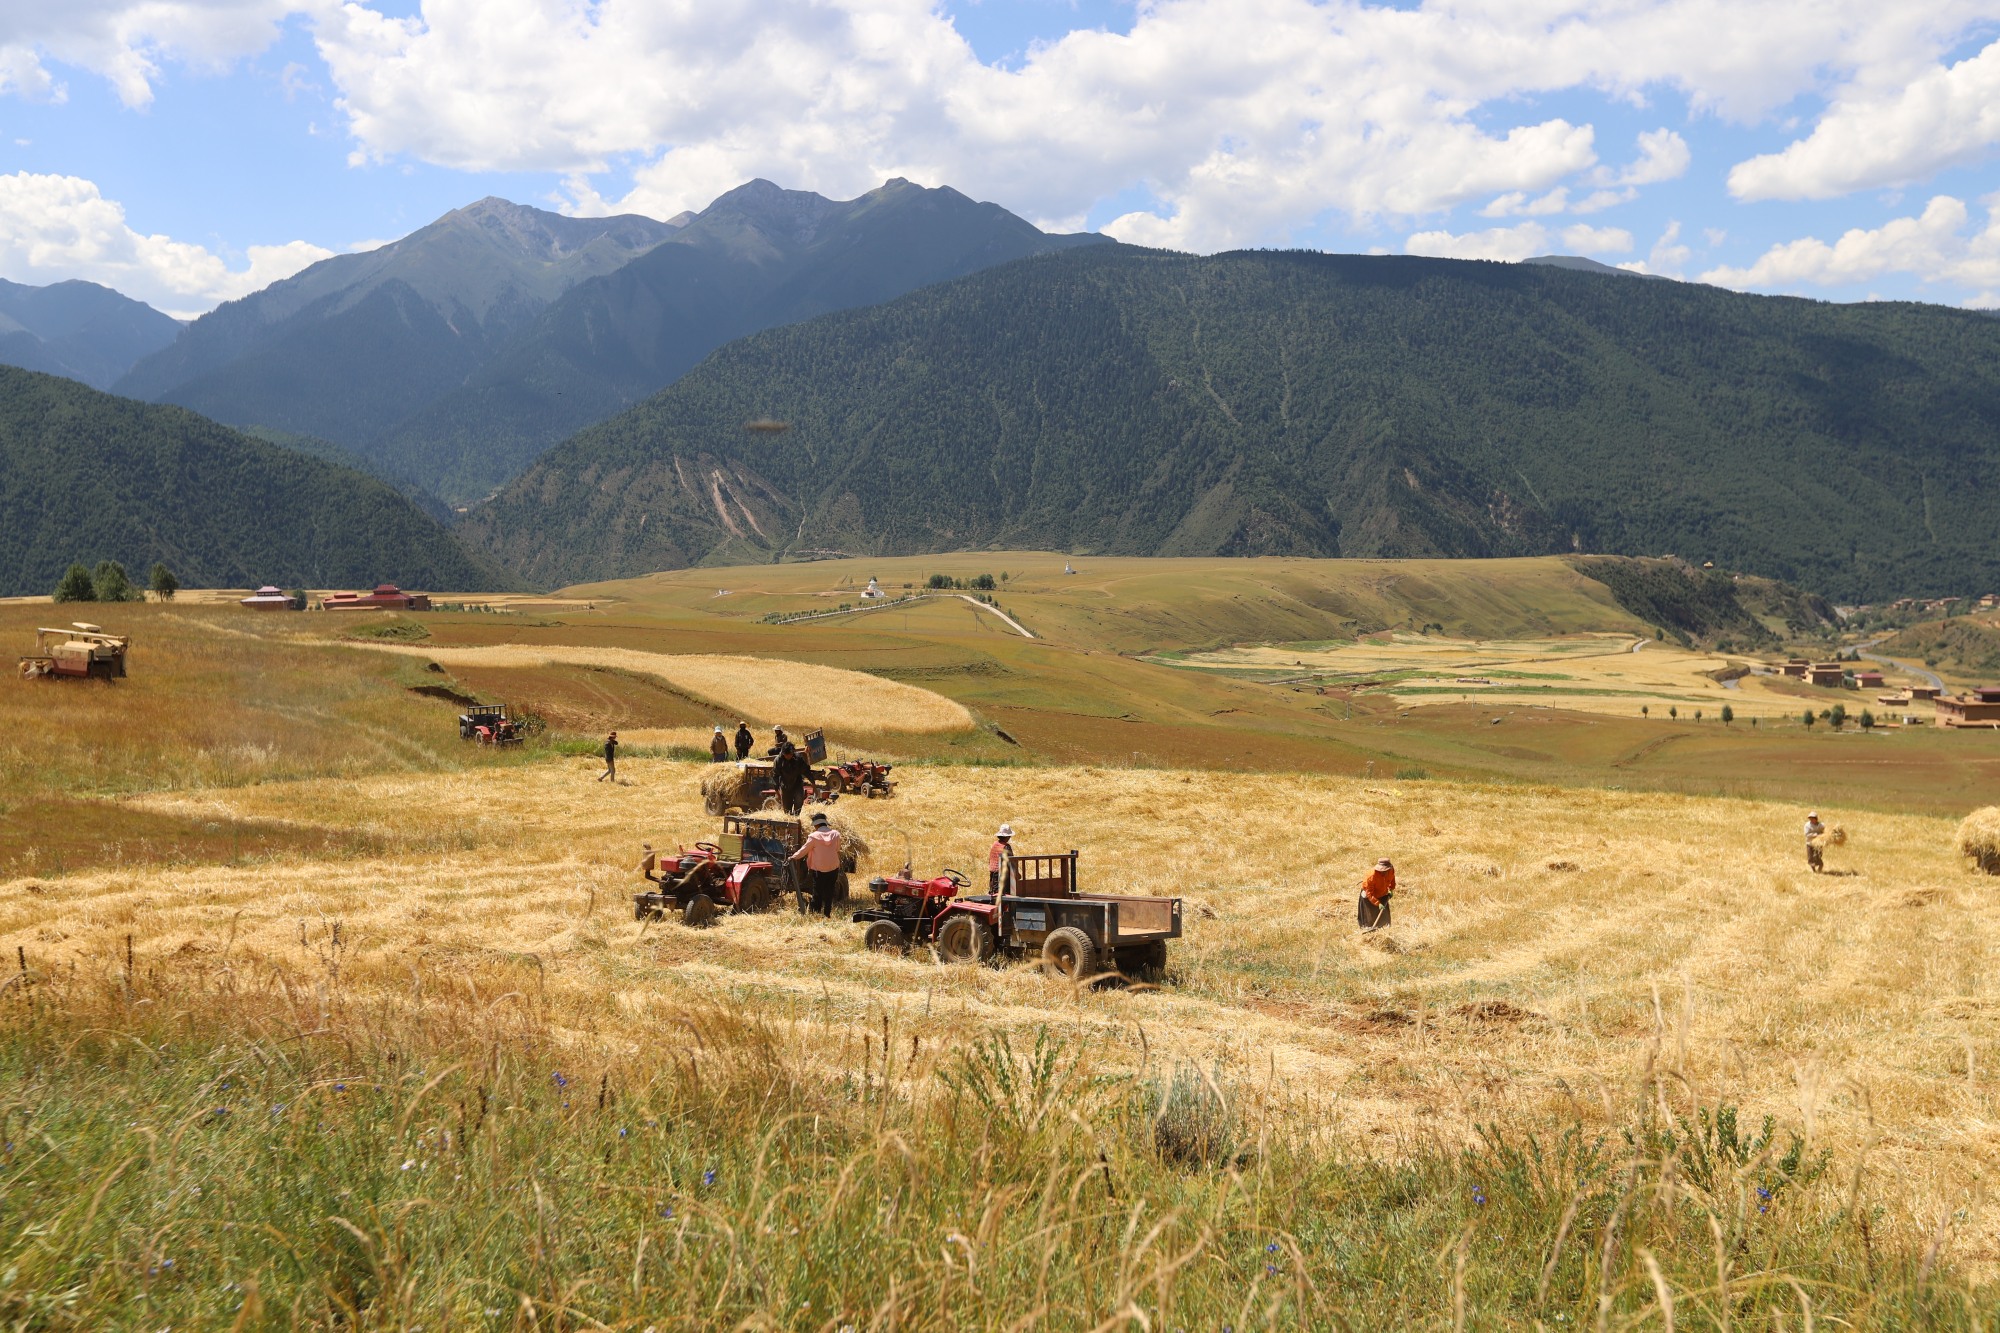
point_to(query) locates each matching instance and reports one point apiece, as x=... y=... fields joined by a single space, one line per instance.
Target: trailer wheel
x=1068 y=955
x=885 y=937
x=965 y=939
x=700 y=910
x=1147 y=961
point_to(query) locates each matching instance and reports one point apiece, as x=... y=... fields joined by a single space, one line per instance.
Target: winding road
x=1937 y=681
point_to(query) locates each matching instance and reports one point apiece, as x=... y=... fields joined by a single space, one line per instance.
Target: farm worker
x=1815 y=854
x=744 y=740
x=718 y=746
x=790 y=773
x=610 y=758
x=821 y=851
x=778 y=741
x=996 y=856
x=1372 y=907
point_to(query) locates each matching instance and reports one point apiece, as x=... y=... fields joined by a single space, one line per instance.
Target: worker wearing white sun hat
x=998 y=855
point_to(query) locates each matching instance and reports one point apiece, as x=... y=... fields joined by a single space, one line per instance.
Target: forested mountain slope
x=86 y=477
x=347 y=348
x=78 y=329
x=758 y=257
x=1120 y=400
x=455 y=356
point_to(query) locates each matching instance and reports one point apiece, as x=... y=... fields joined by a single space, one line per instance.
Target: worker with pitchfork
x=1372 y=908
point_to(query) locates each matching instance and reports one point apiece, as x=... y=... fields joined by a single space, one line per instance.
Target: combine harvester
x=80 y=652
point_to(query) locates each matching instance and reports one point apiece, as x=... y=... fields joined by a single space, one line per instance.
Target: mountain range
x=455 y=356
x=85 y=476
x=1127 y=401
x=79 y=330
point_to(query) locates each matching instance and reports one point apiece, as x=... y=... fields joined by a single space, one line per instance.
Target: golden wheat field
x=1549 y=946
x=755 y=687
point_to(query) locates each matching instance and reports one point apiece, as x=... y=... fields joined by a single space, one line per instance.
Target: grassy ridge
x=185 y=1150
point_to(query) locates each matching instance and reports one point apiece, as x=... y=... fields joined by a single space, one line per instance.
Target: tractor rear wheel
x=964 y=939
x=756 y=895
x=700 y=910
x=1068 y=955
x=885 y=937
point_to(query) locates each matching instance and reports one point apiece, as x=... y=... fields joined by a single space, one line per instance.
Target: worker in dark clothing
x=718 y=746
x=779 y=740
x=610 y=758
x=744 y=741
x=790 y=772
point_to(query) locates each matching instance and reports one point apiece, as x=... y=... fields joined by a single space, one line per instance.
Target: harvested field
x=1618 y=920
x=758 y=688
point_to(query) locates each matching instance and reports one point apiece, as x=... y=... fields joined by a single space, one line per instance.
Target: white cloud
x=1932 y=247
x=1516 y=203
x=1523 y=241
x=1246 y=118
x=57 y=227
x=1663 y=156
x=125 y=41
x=1894 y=133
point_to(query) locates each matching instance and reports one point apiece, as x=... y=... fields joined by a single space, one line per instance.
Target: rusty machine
x=81 y=652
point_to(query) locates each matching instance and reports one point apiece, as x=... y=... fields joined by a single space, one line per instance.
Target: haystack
x=854 y=847
x=1979 y=838
x=1833 y=837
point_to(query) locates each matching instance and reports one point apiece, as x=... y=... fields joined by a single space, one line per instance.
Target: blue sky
x=187 y=151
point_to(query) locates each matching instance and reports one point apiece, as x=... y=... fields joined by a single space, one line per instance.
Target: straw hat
x=1383 y=864
x=1006 y=831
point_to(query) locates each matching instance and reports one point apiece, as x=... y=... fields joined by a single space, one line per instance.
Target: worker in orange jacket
x=1372 y=908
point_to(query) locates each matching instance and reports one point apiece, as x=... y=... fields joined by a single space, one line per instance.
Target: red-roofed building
x=386 y=597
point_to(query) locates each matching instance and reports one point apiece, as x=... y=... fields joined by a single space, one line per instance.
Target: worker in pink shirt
x=821 y=853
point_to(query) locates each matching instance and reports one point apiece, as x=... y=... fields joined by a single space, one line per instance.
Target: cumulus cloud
x=57 y=227
x=1245 y=118
x=1524 y=241
x=1871 y=137
x=125 y=41
x=1934 y=246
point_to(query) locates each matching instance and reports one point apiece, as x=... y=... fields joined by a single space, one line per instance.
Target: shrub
x=984 y=583
x=76 y=586
x=1867 y=720
x=1191 y=1122
x=1808 y=718
x=1837 y=716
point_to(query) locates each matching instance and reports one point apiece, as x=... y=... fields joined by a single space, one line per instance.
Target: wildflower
x=561 y=1082
x=1270 y=1270
x=222 y=1110
x=666 y=1212
x=1272 y=1248
x=340 y=1087
x=410 y=1163
x=621 y=1131
x=708 y=1176
x=1478 y=1196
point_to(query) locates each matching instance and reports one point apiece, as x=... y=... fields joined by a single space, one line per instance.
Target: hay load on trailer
x=80 y=652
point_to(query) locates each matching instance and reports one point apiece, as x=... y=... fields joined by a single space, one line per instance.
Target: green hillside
x=86 y=477
x=1125 y=401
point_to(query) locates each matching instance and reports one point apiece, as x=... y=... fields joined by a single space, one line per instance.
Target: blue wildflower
x=708 y=1176
x=561 y=1082
x=1272 y=1248
x=621 y=1131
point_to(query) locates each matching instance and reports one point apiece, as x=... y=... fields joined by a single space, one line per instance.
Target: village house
x=1797 y=667
x=1868 y=680
x=1830 y=674
x=386 y=597
x=1975 y=708
x=268 y=598
x=1925 y=691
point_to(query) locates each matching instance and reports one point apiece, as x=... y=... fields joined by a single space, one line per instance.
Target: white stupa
x=872 y=591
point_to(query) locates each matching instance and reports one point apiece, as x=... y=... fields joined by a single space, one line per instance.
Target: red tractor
x=862 y=777
x=909 y=909
x=1040 y=913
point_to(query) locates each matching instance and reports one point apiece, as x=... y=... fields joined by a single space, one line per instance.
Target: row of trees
x=110 y=583
x=982 y=582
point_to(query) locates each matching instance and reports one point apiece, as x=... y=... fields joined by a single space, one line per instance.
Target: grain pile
x=1979 y=838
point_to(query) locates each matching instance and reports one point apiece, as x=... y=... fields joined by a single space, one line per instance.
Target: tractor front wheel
x=885 y=937
x=1068 y=955
x=700 y=910
x=965 y=939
